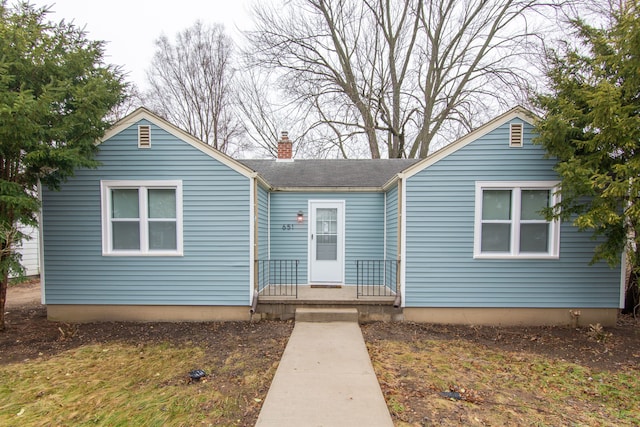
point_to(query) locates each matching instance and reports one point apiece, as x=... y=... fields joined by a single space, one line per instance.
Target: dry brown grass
x=498 y=386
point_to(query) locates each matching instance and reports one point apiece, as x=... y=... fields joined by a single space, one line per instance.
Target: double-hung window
x=141 y=218
x=509 y=222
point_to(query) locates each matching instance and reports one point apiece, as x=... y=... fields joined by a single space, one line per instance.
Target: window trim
x=105 y=195
x=554 y=229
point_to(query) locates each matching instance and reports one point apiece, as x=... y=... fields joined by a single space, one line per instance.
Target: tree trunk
x=3 y=297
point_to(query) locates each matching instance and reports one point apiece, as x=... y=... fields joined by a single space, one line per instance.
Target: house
x=29 y=250
x=168 y=228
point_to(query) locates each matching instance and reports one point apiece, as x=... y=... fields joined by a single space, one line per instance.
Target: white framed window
x=509 y=222
x=142 y=218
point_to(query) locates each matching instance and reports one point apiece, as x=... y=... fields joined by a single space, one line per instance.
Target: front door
x=326 y=242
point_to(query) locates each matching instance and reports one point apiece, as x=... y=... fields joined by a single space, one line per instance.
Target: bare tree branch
x=191 y=84
x=404 y=72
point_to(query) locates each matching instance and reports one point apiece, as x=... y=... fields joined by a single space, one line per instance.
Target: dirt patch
x=24 y=293
x=617 y=347
x=30 y=335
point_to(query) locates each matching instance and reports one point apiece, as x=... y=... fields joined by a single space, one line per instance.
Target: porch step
x=326 y=314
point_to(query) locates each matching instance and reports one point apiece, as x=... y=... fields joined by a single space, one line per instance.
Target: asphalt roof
x=328 y=173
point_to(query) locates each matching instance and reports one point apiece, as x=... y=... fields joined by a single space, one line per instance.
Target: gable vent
x=515 y=137
x=144 y=136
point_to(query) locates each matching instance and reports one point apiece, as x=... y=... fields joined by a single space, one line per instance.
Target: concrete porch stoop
x=325 y=376
x=327 y=315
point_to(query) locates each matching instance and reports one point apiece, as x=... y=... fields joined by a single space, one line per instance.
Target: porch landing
x=375 y=304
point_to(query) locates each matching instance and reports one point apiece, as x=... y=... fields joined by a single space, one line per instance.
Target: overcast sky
x=130 y=26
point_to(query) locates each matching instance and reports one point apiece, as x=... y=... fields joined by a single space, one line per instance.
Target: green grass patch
x=128 y=385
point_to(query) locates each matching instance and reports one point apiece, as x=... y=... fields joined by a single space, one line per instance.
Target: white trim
x=309 y=242
x=384 y=229
x=328 y=189
x=403 y=244
x=518 y=186
x=105 y=201
x=269 y=224
x=253 y=216
x=341 y=234
x=43 y=298
x=517 y=112
x=144 y=114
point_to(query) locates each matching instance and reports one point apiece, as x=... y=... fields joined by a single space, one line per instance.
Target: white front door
x=326 y=242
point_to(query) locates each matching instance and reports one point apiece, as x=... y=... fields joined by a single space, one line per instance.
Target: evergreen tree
x=592 y=125
x=55 y=92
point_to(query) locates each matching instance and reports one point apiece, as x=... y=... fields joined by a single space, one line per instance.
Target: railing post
x=357 y=278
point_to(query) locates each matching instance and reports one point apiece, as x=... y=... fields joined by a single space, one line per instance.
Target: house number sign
x=287 y=227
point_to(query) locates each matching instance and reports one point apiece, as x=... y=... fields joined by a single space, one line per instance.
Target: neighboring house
x=29 y=251
x=167 y=228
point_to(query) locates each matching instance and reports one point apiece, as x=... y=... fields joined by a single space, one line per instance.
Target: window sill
x=144 y=254
x=516 y=257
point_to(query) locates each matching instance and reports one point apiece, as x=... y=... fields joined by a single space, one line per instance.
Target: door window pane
x=496 y=204
x=326 y=234
x=496 y=237
x=162 y=203
x=162 y=235
x=534 y=238
x=124 y=203
x=327 y=248
x=326 y=221
x=126 y=235
x=533 y=201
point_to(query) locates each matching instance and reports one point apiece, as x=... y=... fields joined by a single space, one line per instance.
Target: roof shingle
x=329 y=173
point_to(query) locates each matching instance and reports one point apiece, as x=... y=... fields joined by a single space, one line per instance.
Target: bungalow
x=168 y=228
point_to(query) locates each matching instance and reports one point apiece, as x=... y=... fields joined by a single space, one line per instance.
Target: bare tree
x=397 y=73
x=133 y=99
x=265 y=115
x=191 y=85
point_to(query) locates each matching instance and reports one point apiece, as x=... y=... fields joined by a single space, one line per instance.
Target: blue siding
x=364 y=229
x=263 y=224
x=391 y=251
x=440 y=269
x=216 y=207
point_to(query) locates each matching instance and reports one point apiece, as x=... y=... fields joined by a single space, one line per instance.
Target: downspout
x=254 y=300
x=398 y=300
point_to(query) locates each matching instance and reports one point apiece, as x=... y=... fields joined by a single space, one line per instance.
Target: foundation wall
x=145 y=313
x=513 y=316
x=461 y=316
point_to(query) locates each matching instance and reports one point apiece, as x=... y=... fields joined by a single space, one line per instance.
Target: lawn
x=124 y=374
x=120 y=374
x=451 y=376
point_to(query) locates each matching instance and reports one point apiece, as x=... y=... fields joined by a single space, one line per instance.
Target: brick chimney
x=285 y=153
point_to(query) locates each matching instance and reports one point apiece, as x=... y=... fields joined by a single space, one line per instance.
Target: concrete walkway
x=325 y=378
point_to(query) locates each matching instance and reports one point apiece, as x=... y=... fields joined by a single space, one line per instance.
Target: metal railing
x=376 y=277
x=277 y=277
